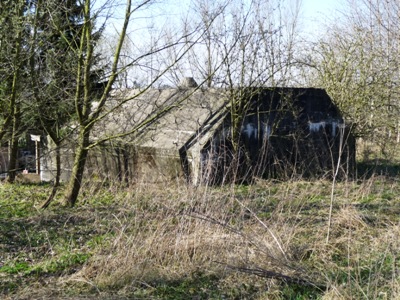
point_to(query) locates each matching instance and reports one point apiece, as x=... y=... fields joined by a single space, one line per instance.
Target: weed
x=197 y=285
x=15 y=268
x=177 y=242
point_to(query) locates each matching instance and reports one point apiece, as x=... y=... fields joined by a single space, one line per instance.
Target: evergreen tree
x=55 y=49
x=13 y=57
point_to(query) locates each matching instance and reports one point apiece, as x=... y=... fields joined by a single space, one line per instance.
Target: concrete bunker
x=285 y=132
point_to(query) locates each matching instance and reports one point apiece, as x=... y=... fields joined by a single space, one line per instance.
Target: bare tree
x=256 y=45
x=88 y=115
x=247 y=46
x=358 y=63
x=83 y=99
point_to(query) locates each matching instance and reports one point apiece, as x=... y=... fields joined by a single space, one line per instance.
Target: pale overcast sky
x=317 y=12
x=320 y=7
x=314 y=12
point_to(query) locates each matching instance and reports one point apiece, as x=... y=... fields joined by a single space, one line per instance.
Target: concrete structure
x=186 y=133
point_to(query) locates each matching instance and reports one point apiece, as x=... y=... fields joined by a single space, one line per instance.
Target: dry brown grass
x=163 y=235
x=244 y=242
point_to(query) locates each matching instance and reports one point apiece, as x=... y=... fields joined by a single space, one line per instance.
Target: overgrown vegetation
x=264 y=241
x=296 y=239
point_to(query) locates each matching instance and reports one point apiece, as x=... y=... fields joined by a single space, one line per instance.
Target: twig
x=266 y=227
x=335 y=174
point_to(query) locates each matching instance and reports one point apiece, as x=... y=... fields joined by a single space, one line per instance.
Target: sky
x=316 y=12
x=314 y=15
x=315 y=7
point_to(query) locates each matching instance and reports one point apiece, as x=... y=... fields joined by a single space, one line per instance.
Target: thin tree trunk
x=14 y=108
x=12 y=167
x=57 y=179
x=119 y=167
x=125 y=155
x=75 y=183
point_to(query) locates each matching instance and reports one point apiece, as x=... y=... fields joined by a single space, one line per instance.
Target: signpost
x=36 y=139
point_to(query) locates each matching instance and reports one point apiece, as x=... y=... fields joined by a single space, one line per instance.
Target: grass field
x=270 y=240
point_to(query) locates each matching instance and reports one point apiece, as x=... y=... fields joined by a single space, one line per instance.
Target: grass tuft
x=261 y=241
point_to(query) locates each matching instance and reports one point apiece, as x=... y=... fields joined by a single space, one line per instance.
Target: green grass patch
x=15 y=268
x=164 y=242
x=199 y=286
x=54 y=265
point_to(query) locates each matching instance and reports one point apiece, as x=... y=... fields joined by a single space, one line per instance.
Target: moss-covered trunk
x=12 y=167
x=75 y=182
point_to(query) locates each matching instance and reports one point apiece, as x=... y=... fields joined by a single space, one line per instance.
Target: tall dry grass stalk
x=268 y=234
x=166 y=233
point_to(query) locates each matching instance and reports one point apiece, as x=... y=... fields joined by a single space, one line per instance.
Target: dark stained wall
x=286 y=132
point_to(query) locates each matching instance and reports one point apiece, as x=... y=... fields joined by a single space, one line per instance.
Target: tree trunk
x=75 y=182
x=57 y=179
x=12 y=167
x=125 y=155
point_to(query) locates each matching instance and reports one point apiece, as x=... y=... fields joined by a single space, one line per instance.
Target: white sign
x=35 y=138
